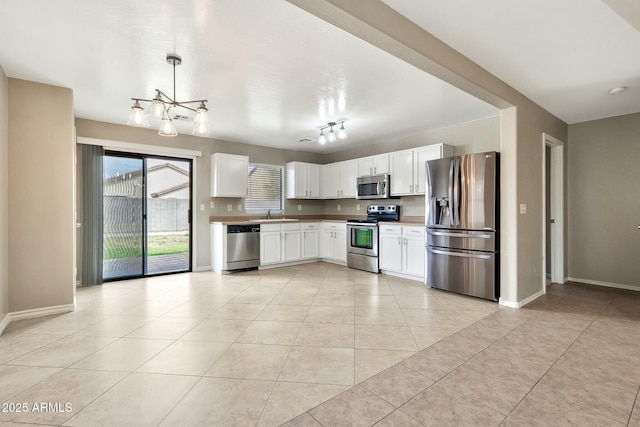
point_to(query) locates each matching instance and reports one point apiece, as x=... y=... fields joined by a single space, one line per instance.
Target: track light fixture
x=161 y=105
x=331 y=135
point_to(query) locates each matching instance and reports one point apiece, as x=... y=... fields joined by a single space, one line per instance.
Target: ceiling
x=565 y=55
x=273 y=74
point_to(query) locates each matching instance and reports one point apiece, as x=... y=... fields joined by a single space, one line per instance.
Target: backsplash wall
x=412 y=206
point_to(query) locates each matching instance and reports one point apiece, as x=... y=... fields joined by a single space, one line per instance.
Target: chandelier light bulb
x=137 y=116
x=342 y=132
x=322 y=139
x=331 y=136
x=167 y=128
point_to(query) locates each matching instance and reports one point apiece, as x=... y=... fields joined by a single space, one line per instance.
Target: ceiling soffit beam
x=629 y=10
x=383 y=27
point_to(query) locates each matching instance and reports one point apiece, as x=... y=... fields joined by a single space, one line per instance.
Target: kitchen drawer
x=413 y=231
x=269 y=227
x=389 y=229
x=334 y=226
x=310 y=225
x=290 y=227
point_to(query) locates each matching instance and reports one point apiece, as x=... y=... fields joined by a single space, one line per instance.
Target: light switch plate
x=523 y=208
x=212 y=205
x=239 y=207
x=339 y=207
x=229 y=207
x=357 y=206
x=202 y=207
x=299 y=207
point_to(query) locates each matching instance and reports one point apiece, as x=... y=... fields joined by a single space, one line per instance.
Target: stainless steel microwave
x=373 y=187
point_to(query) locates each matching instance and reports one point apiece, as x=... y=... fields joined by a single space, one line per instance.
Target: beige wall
x=4 y=195
x=41 y=196
x=604 y=200
x=101 y=130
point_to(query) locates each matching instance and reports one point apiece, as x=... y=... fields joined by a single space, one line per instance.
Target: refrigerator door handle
x=451 y=207
x=458 y=254
x=456 y=191
x=463 y=236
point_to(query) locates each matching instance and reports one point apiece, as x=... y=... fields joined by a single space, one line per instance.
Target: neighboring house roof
x=138 y=172
x=170 y=190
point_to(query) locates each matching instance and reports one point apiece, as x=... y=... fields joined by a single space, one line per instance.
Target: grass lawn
x=131 y=247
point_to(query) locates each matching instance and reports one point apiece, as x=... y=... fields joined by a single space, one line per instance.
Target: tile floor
x=347 y=347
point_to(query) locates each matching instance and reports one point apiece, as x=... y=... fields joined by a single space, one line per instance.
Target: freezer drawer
x=462 y=239
x=464 y=272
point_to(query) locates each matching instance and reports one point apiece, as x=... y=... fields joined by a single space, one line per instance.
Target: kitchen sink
x=274 y=220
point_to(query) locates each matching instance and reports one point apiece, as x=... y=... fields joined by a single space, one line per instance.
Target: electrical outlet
x=339 y=207
x=202 y=207
x=229 y=207
x=357 y=206
x=523 y=208
x=239 y=207
x=299 y=207
x=212 y=205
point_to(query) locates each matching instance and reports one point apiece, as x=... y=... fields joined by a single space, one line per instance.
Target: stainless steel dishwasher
x=243 y=247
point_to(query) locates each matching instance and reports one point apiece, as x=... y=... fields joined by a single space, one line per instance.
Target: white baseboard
x=606 y=284
x=202 y=268
x=404 y=276
x=39 y=312
x=520 y=304
x=286 y=264
x=4 y=323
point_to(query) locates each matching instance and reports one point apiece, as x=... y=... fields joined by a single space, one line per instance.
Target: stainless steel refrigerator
x=462 y=224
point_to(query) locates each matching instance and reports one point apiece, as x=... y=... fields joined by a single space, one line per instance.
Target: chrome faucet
x=269 y=214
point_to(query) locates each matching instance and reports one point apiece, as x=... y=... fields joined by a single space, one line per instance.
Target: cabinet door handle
x=406 y=242
x=399 y=240
x=417 y=186
x=410 y=188
x=375 y=169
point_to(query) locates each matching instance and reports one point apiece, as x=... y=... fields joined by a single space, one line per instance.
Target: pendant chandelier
x=332 y=136
x=162 y=104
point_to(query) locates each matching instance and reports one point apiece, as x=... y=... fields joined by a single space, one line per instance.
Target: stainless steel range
x=362 y=237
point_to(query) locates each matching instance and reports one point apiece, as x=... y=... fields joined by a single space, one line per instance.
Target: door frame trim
x=557 y=209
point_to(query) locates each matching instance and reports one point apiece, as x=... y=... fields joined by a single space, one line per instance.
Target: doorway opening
x=147 y=215
x=553 y=210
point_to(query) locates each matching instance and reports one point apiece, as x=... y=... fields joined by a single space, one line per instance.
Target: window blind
x=265 y=188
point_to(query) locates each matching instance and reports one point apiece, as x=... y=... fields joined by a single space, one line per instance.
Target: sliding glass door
x=147 y=215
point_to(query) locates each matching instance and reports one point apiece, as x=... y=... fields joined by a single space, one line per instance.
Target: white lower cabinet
x=333 y=241
x=310 y=240
x=402 y=250
x=286 y=243
x=270 y=244
x=291 y=242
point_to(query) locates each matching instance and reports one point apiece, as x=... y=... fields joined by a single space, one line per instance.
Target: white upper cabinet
x=373 y=165
x=420 y=157
x=303 y=180
x=331 y=181
x=348 y=178
x=229 y=174
x=401 y=172
x=339 y=180
x=408 y=169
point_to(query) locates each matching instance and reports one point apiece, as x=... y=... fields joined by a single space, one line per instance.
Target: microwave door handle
x=378 y=188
